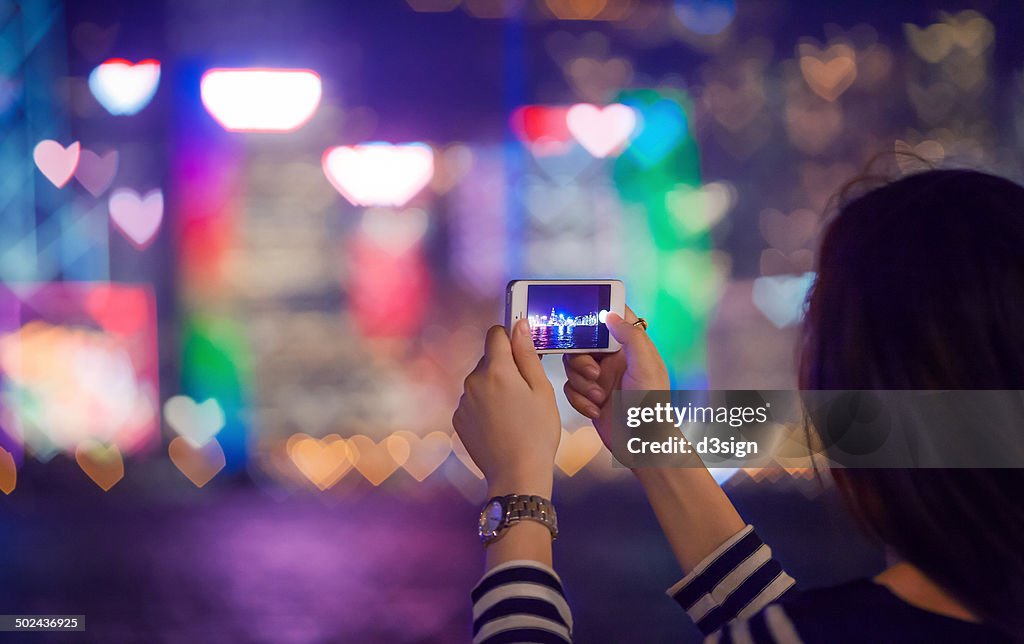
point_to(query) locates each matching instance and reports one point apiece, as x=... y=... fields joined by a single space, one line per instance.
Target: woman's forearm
x=526 y=540
x=695 y=514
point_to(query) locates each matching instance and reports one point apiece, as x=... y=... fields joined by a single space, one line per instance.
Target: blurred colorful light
x=541 y=125
x=197 y=423
x=261 y=100
x=601 y=130
x=781 y=298
x=124 y=88
x=379 y=174
x=663 y=126
x=62 y=383
x=706 y=17
x=390 y=288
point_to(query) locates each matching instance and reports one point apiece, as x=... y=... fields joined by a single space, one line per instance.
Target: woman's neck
x=914 y=587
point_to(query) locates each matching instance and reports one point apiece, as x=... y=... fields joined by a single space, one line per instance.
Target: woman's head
x=920 y=285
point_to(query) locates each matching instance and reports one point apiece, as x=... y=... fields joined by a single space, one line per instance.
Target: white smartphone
x=566 y=316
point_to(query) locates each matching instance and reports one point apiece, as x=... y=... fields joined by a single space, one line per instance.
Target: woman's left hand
x=507 y=417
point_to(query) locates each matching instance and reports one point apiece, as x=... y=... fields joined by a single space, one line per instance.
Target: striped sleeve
x=770 y=626
x=735 y=581
x=520 y=601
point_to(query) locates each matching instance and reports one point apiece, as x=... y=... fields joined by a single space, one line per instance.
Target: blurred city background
x=249 y=249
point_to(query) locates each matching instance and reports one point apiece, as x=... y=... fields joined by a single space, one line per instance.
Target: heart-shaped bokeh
x=8 y=472
x=577 y=448
x=378 y=461
x=828 y=72
x=197 y=423
x=696 y=210
x=123 y=87
x=426 y=454
x=932 y=43
x=96 y=172
x=56 y=162
x=138 y=218
x=102 y=463
x=706 y=17
x=198 y=464
x=781 y=297
x=379 y=174
x=662 y=124
x=602 y=131
x=453 y=164
x=324 y=461
x=595 y=80
x=541 y=127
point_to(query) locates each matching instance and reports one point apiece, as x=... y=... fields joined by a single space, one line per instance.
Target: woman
x=920 y=285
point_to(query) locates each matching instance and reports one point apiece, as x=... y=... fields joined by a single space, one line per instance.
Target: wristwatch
x=502 y=511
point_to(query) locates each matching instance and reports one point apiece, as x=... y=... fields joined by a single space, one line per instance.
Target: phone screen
x=568 y=316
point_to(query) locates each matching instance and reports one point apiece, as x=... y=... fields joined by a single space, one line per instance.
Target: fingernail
x=593 y=372
x=592 y=411
x=523 y=331
x=596 y=394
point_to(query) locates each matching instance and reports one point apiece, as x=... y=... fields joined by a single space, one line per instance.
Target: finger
x=526 y=357
x=458 y=415
x=479 y=365
x=580 y=403
x=630 y=316
x=583 y=363
x=590 y=389
x=497 y=347
x=636 y=344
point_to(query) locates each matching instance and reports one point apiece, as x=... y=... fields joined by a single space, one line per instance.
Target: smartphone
x=566 y=316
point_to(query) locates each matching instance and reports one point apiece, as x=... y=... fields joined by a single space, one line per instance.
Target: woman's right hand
x=695 y=514
x=591 y=378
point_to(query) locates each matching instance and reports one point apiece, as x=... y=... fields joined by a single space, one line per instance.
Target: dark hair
x=920 y=285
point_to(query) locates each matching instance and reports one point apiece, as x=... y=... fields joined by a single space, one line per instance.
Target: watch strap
x=534 y=508
x=529 y=507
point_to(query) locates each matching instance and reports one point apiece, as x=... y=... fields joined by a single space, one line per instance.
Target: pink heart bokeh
x=138 y=218
x=96 y=172
x=379 y=174
x=56 y=162
x=601 y=131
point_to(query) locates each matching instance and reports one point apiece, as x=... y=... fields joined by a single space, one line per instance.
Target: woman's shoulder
x=856 y=611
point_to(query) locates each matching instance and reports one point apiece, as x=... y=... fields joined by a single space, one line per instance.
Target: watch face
x=491 y=518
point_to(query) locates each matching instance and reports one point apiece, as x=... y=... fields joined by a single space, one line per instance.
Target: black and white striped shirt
x=738 y=594
x=522 y=601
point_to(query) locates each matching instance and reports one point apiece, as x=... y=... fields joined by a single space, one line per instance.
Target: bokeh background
x=249 y=249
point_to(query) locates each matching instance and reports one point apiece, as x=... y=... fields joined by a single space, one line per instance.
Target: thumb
x=636 y=344
x=526 y=357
